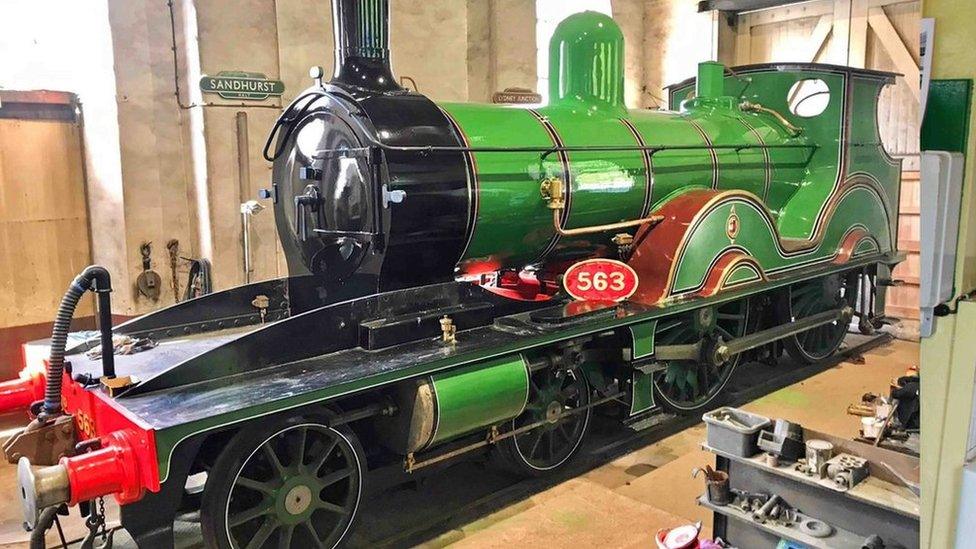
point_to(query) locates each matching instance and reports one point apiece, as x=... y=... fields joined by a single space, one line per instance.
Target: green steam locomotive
x=469 y=277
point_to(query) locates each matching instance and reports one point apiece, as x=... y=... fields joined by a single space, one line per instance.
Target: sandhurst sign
x=248 y=86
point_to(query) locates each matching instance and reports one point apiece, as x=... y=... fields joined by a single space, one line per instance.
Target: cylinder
x=447 y=405
x=479 y=395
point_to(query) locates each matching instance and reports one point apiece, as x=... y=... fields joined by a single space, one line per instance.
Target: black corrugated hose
x=98 y=280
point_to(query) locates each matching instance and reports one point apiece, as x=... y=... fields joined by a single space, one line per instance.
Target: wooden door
x=874 y=34
x=44 y=233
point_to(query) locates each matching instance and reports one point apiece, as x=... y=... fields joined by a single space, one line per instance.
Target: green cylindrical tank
x=511 y=225
x=450 y=404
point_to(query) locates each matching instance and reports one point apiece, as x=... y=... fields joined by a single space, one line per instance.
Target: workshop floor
x=623 y=502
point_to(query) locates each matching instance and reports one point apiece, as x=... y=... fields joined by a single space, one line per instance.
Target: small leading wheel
x=809 y=298
x=687 y=386
x=296 y=484
x=555 y=398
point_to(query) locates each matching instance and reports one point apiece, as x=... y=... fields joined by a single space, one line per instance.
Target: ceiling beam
x=738 y=6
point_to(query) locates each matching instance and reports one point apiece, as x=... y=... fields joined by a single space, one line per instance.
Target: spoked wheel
x=297 y=484
x=686 y=386
x=553 y=394
x=809 y=298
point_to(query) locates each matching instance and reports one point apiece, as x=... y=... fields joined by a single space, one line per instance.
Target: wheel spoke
x=284 y=536
x=257 y=486
x=731 y=316
x=334 y=477
x=325 y=456
x=298 y=452
x=535 y=443
x=331 y=507
x=263 y=533
x=561 y=427
x=535 y=387
x=250 y=514
x=269 y=452
x=313 y=534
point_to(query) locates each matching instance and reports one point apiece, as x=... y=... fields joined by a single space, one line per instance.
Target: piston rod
x=729 y=349
x=725 y=350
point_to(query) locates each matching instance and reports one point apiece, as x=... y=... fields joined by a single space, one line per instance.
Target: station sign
x=600 y=280
x=516 y=96
x=242 y=86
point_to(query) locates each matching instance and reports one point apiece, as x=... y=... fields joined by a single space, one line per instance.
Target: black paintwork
x=337 y=155
x=388 y=331
x=227 y=309
x=362 y=39
x=428 y=229
x=317 y=332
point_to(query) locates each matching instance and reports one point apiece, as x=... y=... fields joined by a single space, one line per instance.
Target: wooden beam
x=892 y=43
x=743 y=40
x=880 y=3
x=857 y=45
x=723 y=38
x=790 y=13
x=818 y=39
x=842 y=32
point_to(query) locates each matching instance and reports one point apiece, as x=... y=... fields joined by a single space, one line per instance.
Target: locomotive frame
x=401 y=339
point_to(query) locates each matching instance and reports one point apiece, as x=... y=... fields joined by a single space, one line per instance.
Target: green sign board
x=248 y=86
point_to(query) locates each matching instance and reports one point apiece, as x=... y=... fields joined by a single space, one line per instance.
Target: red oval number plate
x=600 y=280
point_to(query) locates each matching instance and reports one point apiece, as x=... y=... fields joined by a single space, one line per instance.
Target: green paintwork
x=586 y=62
x=643 y=339
x=858 y=206
x=742 y=275
x=167 y=439
x=711 y=80
x=512 y=226
x=642 y=392
x=501 y=391
x=945 y=126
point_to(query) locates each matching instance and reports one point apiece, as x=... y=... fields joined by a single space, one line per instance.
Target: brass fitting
x=448 y=330
x=553 y=193
x=756 y=107
x=623 y=241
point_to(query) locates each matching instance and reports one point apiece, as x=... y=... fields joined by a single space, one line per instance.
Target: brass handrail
x=756 y=107
x=554 y=194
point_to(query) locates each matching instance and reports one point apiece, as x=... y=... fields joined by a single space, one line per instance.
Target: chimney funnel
x=362 y=45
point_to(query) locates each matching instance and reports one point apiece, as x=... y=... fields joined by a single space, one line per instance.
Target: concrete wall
x=163 y=159
x=501 y=49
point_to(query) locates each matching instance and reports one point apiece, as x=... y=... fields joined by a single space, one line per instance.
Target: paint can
x=819 y=453
x=871 y=427
x=716 y=485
